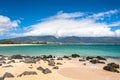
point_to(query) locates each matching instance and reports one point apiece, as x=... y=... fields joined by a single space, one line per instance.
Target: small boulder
x=46 y=71
x=8 y=75
x=29 y=60
x=100 y=58
x=51 y=63
x=56 y=67
x=59 y=58
x=110 y=68
x=114 y=65
x=58 y=63
x=1 y=78
x=81 y=60
x=40 y=68
x=49 y=56
x=65 y=56
x=89 y=57
x=75 y=55
x=96 y=61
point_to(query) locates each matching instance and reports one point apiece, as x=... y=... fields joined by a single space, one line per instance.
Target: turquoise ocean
x=63 y=49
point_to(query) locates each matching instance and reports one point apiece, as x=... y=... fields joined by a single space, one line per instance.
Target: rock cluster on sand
x=111 y=67
x=45 y=71
x=16 y=57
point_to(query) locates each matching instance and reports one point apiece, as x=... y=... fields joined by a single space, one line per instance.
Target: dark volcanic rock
x=51 y=63
x=75 y=55
x=2 y=62
x=96 y=61
x=46 y=71
x=27 y=73
x=8 y=75
x=2 y=58
x=16 y=57
x=59 y=58
x=111 y=67
x=81 y=60
x=58 y=63
x=89 y=57
x=100 y=58
x=56 y=67
x=49 y=56
x=65 y=56
x=29 y=60
x=40 y=68
x=1 y=78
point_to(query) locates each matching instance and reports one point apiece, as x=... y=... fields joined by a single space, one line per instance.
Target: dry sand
x=70 y=70
x=90 y=71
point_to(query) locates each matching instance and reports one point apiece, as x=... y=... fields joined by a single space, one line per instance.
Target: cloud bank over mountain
x=75 y=24
x=62 y=24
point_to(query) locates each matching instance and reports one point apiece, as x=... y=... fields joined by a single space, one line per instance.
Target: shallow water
x=64 y=49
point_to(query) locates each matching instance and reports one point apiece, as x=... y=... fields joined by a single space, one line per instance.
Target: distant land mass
x=72 y=39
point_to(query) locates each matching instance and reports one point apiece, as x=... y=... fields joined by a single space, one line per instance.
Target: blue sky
x=60 y=18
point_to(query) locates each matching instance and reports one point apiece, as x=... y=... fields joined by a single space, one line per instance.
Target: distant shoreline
x=23 y=44
x=19 y=44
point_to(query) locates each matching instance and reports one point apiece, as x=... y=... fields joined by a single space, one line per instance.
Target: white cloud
x=65 y=24
x=6 y=24
x=102 y=15
x=73 y=24
x=114 y=24
x=117 y=33
x=61 y=15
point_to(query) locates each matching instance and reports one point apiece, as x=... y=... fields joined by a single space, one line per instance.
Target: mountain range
x=71 y=39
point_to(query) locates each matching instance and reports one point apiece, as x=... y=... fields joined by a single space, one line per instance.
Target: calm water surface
x=64 y=49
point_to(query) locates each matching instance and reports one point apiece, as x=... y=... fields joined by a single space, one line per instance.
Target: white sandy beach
x=70 y=70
